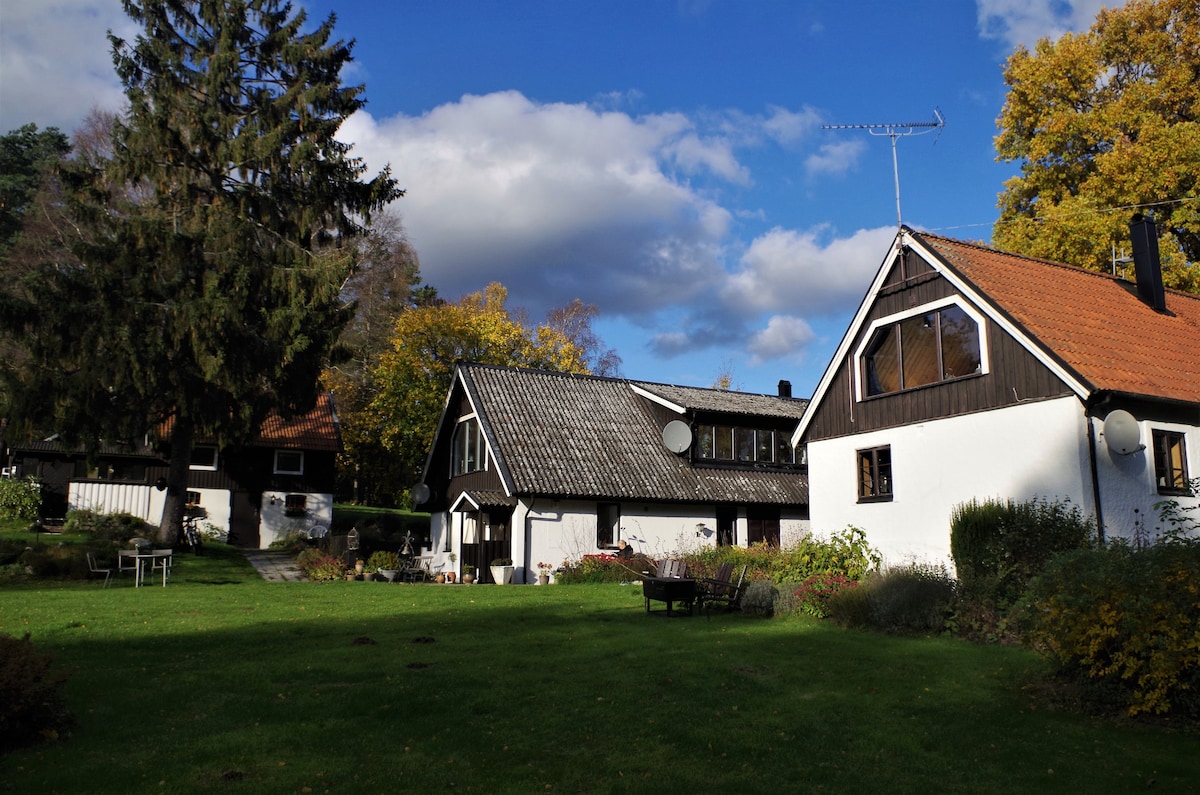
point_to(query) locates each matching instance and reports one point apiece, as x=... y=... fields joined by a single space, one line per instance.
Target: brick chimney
x=785 y=389
x=1146 y=264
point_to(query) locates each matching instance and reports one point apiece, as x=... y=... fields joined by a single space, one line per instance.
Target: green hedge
x=998 y=547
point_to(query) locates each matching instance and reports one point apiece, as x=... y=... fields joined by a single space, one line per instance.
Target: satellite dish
x=420 y=494
x=677 y=436
x=1121 y=433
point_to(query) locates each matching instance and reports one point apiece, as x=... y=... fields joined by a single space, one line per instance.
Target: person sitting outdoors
x=624 y=551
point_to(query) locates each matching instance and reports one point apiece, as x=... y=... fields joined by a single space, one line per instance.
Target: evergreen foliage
x=998 y=546
x=198 y=281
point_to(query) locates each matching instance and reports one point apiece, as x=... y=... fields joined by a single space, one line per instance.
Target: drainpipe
x=1095 y=469
x=528 y=541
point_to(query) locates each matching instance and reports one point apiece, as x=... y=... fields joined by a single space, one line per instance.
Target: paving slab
x=274 y=565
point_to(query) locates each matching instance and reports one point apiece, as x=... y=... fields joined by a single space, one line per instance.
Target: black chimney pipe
x=1146 y=264
x=785 y=389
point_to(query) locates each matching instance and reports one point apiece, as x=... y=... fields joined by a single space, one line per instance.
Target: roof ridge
x=608 y=378
x=1041 y=260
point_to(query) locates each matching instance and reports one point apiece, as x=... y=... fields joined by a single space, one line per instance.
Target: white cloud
x=784 y=337
x=558 y=200
x=56 y=63
x=806 y=273
x=1027 y=21
x=835 y=158
x=787 y=127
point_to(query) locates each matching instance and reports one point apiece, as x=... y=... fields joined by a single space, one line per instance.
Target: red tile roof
x=316 y=430
x=1092 y=323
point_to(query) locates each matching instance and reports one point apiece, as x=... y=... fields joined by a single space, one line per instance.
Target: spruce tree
x=200 y=288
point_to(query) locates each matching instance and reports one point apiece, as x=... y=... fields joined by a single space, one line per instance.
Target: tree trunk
x=182 y=436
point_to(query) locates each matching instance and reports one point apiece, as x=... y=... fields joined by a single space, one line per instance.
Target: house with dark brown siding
x=969 y=373
x=279 y=483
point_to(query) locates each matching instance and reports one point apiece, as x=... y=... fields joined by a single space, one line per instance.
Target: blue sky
x=662 y=159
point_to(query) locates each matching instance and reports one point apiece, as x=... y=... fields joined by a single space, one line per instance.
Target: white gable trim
x=1078 y=387
x=843 y=348
x=984 y=365
x=467 y=498
x=906 y=239
x=659 y=399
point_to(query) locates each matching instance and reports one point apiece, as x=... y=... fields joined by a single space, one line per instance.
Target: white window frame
x=280 y=471
x=925 y=309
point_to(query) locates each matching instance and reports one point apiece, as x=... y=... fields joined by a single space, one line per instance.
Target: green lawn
x=225 y=683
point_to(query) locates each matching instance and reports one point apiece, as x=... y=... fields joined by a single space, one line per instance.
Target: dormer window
x=743 y=445
x=933 y=345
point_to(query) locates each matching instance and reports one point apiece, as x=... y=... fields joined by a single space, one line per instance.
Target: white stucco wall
x=552 y=531
x=1128 y=490
x=274 y=525
x=1036 y=449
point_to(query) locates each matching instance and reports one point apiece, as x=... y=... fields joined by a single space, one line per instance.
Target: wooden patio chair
x=671 y=568
x=720 y=589
x=417 y=570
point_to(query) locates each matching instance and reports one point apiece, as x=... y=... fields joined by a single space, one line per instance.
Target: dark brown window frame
x=873 y=476
x=890 y=334
x=1169 y=479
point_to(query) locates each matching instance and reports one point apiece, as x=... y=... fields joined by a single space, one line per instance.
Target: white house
x=540 y=467
x=971 y=373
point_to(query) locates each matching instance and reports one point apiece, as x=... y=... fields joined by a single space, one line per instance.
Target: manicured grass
x=225 y=683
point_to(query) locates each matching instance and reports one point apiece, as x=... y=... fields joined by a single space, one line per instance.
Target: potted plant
x=502 y=570
x=386 y=563
x=468 y=574
x=358 y=566
x=544 y=570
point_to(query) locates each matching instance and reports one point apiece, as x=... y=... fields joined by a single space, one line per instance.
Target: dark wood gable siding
x=1014 y=376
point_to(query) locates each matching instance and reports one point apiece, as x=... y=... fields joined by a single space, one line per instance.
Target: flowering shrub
x=319 y=566
x=602 y=567
x=915 y=597
x=812 y=596
x=846 y=553
x=20 y=498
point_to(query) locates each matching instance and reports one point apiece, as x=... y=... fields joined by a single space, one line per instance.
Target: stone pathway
x=274 y=565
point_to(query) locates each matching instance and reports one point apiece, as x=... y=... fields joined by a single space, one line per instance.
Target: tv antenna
x=894 y=131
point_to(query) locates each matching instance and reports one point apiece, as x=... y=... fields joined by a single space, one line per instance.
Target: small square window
x=1170 y=462
x=289 y=462
x=295 y=505
x=204 y=457
x=875 y=474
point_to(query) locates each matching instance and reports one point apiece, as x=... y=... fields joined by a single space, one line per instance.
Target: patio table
x=148 y=561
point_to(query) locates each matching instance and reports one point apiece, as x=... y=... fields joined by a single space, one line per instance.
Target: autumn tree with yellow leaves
x=427 y=341
x=1104 y=124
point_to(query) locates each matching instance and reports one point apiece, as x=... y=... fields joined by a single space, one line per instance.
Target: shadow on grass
x=362 y=687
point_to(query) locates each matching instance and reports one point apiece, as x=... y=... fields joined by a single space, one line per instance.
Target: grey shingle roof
x=695 y=398
x=584 y=436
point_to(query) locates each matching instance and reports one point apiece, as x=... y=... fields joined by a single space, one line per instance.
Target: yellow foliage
x=1106 y=124
x=427 y=342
